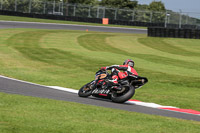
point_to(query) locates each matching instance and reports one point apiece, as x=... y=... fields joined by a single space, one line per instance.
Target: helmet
x=129 y=62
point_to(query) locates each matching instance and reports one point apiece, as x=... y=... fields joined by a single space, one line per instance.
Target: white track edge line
x=152 y=105
x=64 y=89
x=145 y=104
x=22 y=81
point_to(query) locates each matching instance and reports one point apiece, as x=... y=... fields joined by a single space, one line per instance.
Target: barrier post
x=30 y=3
x=1 y=4
x=15 y=5
x=105 y=21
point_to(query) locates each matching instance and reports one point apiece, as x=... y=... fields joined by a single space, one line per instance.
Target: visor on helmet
x=131 y=64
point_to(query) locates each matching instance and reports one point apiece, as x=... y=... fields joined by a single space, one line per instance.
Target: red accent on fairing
x=115 y=82
x=121 y=75
x=103 y=95
x=100 y=81
x=126 y=73
x=190 y=111
x=115 y=77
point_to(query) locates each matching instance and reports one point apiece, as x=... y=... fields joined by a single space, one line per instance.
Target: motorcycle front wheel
x=85 y=91
x=123 y=96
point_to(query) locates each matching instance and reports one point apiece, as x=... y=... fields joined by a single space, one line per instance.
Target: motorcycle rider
x=128 y=66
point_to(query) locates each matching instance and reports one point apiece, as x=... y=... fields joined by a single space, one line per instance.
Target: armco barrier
x=50 y=16
x=92 y=20
x=172 y=32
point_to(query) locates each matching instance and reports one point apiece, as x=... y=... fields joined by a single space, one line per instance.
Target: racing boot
x=114 y=83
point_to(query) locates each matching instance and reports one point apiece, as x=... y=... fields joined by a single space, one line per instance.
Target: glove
x=103 y=68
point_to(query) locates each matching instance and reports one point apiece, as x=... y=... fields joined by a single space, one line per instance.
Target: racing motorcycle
x=102 y=88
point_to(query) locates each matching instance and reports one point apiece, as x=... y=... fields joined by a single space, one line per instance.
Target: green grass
x=71 y=58
x=27 y=19
x=22 y=114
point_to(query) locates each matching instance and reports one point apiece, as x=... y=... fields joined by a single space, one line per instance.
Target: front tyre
x=85 y=91
x=125 y=95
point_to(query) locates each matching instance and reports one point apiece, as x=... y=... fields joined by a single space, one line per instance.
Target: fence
x=174 y=33
x=168 y=18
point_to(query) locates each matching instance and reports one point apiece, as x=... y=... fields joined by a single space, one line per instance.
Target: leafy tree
x=159 y=11
x=123 y=4
x=157 y=6
x=8 y=5
x=142 y=14
x=142 y=7
x=88 y=2
x=119 y=3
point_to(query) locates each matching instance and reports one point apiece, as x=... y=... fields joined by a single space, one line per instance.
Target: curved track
x=36 y=25
x=12 y=86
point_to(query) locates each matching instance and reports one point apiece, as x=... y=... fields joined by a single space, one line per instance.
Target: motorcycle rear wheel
x=124 y=96
x=85 y=91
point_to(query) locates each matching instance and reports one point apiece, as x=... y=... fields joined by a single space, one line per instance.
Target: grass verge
x=71 y=58
x=22 y=114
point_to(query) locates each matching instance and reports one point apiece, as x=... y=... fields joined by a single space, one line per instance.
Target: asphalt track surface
x=28 y=89
x=36 y=25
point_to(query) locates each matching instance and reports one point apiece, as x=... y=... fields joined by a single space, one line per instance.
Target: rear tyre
x=85 y=91
x=124 y=96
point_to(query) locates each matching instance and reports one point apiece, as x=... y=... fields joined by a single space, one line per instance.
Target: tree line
x=155 y=11
x=116 y=4
x=125 y=4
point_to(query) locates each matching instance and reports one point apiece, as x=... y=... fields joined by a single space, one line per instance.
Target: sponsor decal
x=100 y=91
